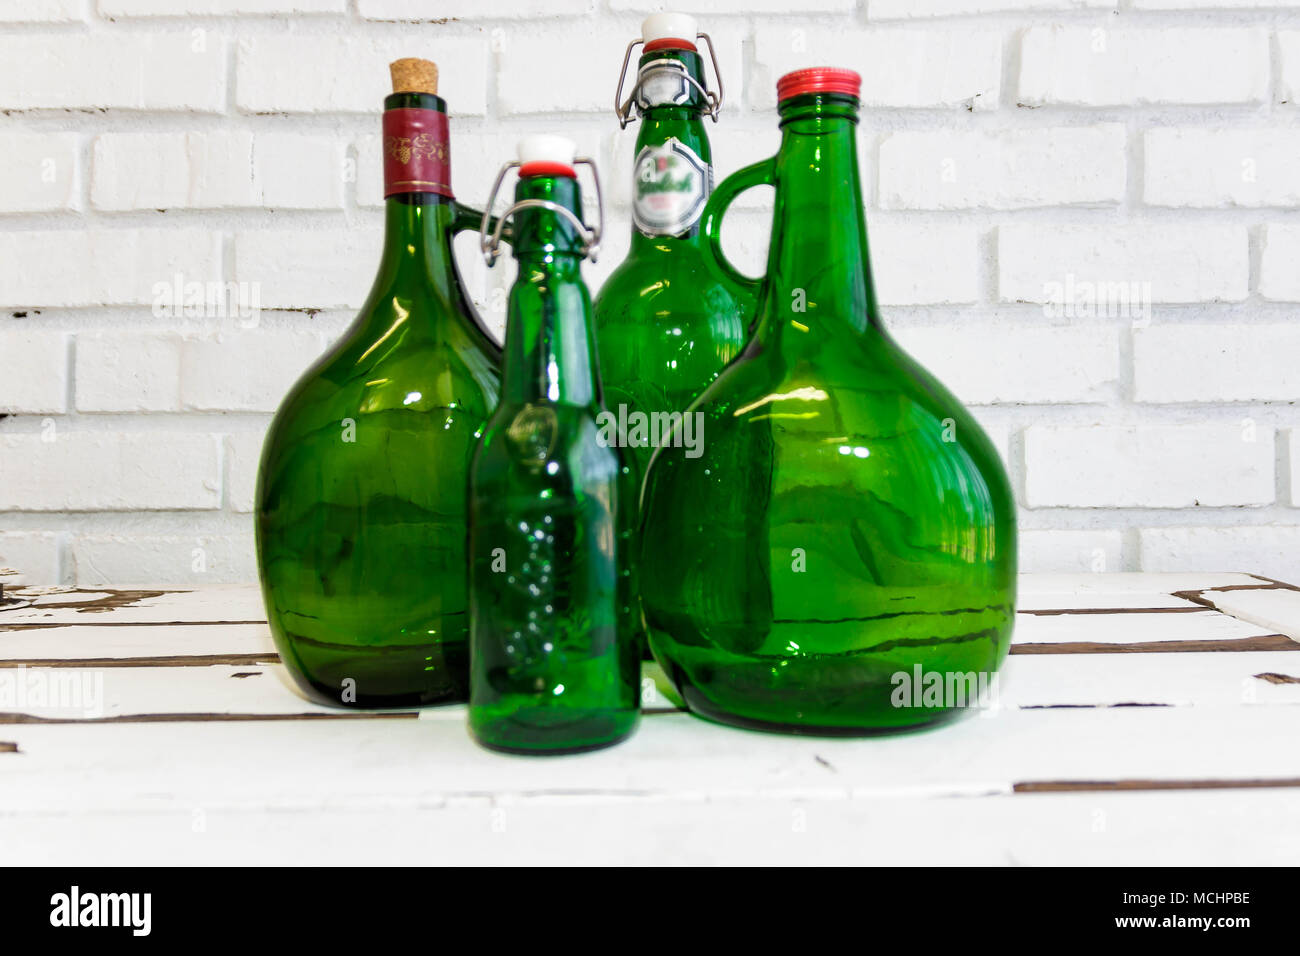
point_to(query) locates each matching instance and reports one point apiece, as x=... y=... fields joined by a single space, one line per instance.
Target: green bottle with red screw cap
x=846 y=540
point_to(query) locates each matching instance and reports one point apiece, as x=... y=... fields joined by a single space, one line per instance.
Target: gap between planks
x=1112 y=786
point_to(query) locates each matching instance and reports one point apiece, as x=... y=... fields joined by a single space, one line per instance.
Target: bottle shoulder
x=845 y=397
x=664 y=283
x=364 y=374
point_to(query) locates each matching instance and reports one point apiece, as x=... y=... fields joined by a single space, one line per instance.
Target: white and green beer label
x=670 y=186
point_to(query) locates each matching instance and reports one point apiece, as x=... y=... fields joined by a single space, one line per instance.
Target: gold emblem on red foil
x=421 y=146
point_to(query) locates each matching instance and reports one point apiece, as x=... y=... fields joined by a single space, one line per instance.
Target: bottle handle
x=759 y=174
x=467 y=218
x=464 y=219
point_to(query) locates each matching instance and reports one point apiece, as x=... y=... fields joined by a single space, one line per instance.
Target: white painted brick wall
x=178 y=561
x=1279 y=279
x=1258 y=550
x=244 y=371
x=169 y=70
x=173 y=8
x=905 y=255
x=1072 y=552
x=900 y=68
x=349 y=74
x=34 y=555
x=1222 y=167
x=1217 y=363
x=63 y=470
x=35 y=378
x=217 y=170
x=1293 y=439
x=308 y=268
x=42 y=11
x=1164 y=466
x=1007 y=169
x=1004 y=362
x=1184 y=263
x=1007 y=147
x=1100 y=66
x=38 y=172
x=109 y=266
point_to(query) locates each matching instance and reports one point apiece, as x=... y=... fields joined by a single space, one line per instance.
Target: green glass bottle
x=554 y=661
x=666 y=323
x=847 y=537
x=360 y=509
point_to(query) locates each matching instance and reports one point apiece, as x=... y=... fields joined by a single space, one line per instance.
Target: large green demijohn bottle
x=554 y=657
x=361 y=517
x=841 y=557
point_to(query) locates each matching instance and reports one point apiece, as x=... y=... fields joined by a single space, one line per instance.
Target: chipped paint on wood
x=1278 y=678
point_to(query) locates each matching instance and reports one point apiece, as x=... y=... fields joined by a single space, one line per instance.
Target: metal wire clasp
x=623 y=108
x=490 y=240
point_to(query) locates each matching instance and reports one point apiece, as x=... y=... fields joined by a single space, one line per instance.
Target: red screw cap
x=819 y=79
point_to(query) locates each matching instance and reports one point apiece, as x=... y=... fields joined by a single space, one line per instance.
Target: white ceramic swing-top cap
x=547 y=148
x=668 y=26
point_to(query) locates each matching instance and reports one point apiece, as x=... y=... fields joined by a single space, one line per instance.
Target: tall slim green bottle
x=841 y=558
x=554 y=661
x=666 y=323
x=360 y=510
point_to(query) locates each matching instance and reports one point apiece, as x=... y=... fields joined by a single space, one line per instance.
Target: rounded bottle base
x=385 y=680
x=701 y=707
x=556 y=752
x=549 y=736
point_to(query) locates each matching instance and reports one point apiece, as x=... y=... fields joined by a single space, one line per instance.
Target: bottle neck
x=418 y=242
x=673 y=170
x=550 y=354
x=419 y=212
x=819 y=275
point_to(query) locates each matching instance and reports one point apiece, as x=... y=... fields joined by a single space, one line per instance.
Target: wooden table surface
x=1142 y=718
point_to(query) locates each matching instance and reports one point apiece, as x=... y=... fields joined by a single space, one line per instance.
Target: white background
x=1007 y=145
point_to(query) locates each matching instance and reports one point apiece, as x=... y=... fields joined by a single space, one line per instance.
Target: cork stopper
x=413 y=75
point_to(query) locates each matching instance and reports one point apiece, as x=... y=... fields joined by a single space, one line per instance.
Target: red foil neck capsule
x=417 y=156
x=669 y=43
x=819 y=79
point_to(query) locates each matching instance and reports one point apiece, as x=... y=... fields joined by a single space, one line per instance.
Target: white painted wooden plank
x=96 y=693
x=1205 y=625
x=1275 y=609
x=233 y=604
x=81 y=642
x=1199 y=679
x=1217 y=827
x=295 y=764
x=1098 y=600
x=1131 y=582
x=1033 y=680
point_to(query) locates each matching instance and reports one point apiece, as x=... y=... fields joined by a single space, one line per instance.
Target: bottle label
x=661 y=86
x=417 y=157
x=670 y=187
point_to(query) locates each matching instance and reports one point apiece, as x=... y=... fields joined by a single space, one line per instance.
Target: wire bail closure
x=490 y=240
x=623 y=108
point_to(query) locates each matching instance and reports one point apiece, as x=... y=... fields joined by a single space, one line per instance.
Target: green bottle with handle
x=554 y=656
x=360 y=513
x=841 y=558
x=666 y=322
